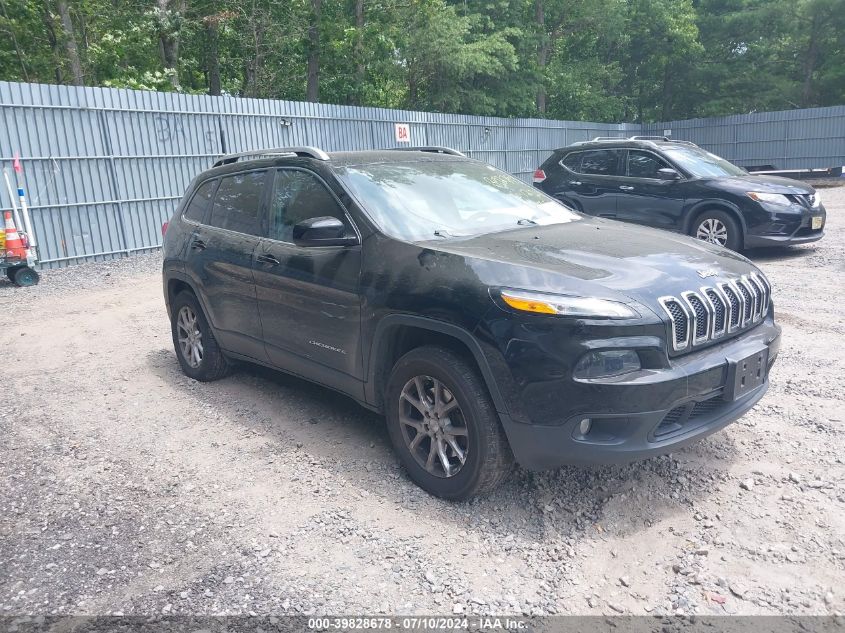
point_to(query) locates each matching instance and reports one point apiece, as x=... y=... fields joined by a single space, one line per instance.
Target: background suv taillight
x=539 y=176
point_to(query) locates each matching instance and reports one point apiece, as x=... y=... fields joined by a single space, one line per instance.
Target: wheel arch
x=714 y=205
x=174 y=284
x=398 y=334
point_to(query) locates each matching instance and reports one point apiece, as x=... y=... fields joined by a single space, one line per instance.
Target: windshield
x=702 y=164
x=445 y=199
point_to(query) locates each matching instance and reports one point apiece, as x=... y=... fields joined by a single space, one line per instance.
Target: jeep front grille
x=712 y=312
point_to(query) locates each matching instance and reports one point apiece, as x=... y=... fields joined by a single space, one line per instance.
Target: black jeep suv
x=486 y=321
x=676 y=185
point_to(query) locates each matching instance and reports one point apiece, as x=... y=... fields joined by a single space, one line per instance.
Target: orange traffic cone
x=14 y=246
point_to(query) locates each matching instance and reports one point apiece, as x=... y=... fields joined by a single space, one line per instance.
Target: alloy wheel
x=433 y=426
x=189 y=336
x=713 y=230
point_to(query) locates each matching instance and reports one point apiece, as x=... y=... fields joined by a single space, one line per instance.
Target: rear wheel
x=718 y=227
x=444 y=426
x=196 y=348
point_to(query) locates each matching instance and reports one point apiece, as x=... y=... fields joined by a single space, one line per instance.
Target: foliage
x=636 y=60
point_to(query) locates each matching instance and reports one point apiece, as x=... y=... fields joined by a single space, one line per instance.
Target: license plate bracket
x=746 y=374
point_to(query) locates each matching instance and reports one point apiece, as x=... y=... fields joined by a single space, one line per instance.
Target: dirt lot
x=129 y=488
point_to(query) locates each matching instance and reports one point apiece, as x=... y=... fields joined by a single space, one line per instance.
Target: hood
x=598 y=258
x=767 y=184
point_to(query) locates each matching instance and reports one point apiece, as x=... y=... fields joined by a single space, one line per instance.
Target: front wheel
x=444 y=426
x=196 y=348
x=718 y=227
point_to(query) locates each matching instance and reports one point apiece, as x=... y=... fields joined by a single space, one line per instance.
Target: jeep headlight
x=606 y=363
x=815 y=200
x=590 y=307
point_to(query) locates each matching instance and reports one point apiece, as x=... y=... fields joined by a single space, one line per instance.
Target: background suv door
x=219 y=259
x=589 y=178
x=308 y=297
x=647 y=198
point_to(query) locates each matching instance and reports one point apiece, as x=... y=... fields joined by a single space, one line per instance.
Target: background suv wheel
x=443 y=425
x=196 y=348
x=718 y=227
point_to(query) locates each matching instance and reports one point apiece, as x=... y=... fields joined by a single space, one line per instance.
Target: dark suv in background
x=485 y=320
x=678 y=186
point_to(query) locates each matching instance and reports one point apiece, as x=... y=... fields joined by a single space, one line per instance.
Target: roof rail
x=305 y=151
x=679 y=142
x=606 y=138
x=649 y=138
x=434 y=149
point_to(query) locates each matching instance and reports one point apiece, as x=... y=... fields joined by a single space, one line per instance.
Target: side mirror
x=667 y=173
x=322 y=231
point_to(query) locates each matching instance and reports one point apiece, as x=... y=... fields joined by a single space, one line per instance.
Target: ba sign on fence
x=403 y=133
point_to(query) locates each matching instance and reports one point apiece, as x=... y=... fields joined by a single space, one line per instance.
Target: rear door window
x=238 y=203
x=601 y=162
x=644 y=164
x=195 y=211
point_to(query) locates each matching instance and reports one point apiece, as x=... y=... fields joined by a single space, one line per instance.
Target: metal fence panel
x=104 y=168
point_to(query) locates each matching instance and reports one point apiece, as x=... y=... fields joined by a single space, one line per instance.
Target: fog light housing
x=585 y=425
x=606 y=363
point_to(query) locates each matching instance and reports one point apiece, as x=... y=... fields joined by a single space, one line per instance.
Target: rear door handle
x=266 y=258
x=198 y=245
x=626 y=188
x=575 y=182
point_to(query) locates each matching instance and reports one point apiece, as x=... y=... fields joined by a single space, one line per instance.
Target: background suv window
x=237 y=204
x=298 y=196
x=572 y=161
x=601 y=162
x=199 y=203
x=645 y=164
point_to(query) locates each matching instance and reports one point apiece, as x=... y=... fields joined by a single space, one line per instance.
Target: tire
x=718 y=227
x=477 y=430
x=206 y=362
x=23 y=276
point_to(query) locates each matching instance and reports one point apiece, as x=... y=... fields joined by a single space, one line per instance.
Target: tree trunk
x=312 y=87
x=542 y=54
x=170 y=14
x=52 y=38
x=809 y=65
x=212 y=54
x=360 y=68
x=71 y=48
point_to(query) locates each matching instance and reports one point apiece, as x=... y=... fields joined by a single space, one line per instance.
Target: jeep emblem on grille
x=704 y=274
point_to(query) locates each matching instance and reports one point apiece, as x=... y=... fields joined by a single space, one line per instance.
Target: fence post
x=106 y=137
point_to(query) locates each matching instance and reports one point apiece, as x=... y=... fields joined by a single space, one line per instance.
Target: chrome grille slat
x=721 y=311
x=698 y=317
x=735 y=305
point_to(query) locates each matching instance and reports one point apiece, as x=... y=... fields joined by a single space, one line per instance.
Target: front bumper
x=689 y=400
x=787 y=229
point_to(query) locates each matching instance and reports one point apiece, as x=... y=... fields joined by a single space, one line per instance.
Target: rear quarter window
x=572 y=161
x=195 y=211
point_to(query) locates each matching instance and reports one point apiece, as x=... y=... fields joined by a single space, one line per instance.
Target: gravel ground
x=128 y=488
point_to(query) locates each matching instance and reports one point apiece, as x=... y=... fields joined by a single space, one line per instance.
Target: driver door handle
x=626 y=188
x=575 y=182
x=266 y=258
